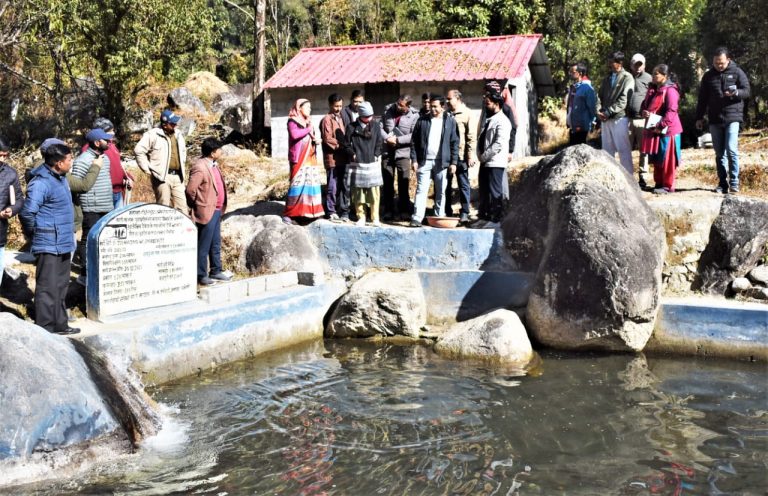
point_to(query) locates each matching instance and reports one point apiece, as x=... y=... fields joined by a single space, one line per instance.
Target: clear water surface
x=352 y=418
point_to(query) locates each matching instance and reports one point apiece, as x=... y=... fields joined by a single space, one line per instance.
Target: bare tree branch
x=18 y=74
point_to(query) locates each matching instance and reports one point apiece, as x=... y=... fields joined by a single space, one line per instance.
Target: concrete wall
x=169 y=343
x=711 y=327
x=455 y=296
x=349 y=250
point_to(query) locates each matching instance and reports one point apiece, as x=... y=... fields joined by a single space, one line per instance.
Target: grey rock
x=380 y=304
x=737 y=241
x=758 y=293
x=278 y=247
x=759 y=275
x=187 y=126
x=239 y=230
x=578 y=221
x=49 y=399
x=741 y=284
x=138 y=121
x=223 y=101
x=498 y=336
x=238 y=117
x=184 y=99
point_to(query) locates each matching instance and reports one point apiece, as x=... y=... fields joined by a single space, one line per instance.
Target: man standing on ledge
x=642 y=80
x=47 y=218
x=613 y=95
x=435 y=148
x=724 y=87
x=492 y=152
x=467 y=125
x=162 y=153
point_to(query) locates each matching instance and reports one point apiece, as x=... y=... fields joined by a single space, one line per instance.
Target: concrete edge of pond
x=163 y=344
x=168 y=343
x=711 y=327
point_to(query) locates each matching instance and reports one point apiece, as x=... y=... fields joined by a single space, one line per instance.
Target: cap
x=365 y=109
x=169 y=117
x=98 y=134
x=638 y=57
x=50 y=141
x=493 y=87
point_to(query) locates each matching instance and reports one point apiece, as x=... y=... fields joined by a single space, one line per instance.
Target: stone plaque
x=140 y=256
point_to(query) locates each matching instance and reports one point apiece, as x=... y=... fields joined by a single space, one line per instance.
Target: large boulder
x=380 y=304
x=226 y=100
x=578 y=221
x=498 y=336
x=737 y=241
x=186 y=101
x=49 y=401
x=238 y=117
x=279 y=247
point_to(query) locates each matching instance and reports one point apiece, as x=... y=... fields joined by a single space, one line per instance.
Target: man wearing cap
x=46 y=219
x=637 y=95
x=399 y=120
x=492 y=152
x=162 y=153
x=613 y=101
x=96 y=202
x=122 y=180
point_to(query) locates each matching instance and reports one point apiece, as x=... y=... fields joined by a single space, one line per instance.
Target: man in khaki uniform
x=162 y=153
x=467 y=123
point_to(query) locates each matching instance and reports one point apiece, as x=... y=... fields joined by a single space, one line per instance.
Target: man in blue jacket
x=47 y=218
x=581 y=105
x=434 y=148
x=724 y=87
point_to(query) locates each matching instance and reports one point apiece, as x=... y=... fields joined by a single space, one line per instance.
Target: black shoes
x=67 y=331
x=206 y=281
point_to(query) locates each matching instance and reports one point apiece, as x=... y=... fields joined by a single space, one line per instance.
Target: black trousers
x=491 y=186
x=51 y=282
x=89 y=220
x=462 y=178
x=577 y=137
x=396 y=170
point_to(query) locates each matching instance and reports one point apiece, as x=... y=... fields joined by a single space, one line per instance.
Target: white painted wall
x=524 y=96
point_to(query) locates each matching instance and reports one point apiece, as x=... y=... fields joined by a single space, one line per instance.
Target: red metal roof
x=468 y=59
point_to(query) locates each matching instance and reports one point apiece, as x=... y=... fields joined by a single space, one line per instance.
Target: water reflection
x=355 y=418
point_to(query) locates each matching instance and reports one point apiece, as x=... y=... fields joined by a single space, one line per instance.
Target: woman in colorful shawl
x=661 y=140
x=304 y=197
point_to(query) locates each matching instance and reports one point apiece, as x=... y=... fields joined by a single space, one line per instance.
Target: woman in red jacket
x=661 y=138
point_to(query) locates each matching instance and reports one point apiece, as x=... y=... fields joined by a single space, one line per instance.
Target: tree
x=120 y=43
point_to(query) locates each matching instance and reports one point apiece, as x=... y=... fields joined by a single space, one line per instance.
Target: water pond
x=351 y=418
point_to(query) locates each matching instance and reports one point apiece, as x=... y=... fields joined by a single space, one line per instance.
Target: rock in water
x=498 y=336
x=380 y=304
x=736 y=242
x=578 y=221
x=49 y=401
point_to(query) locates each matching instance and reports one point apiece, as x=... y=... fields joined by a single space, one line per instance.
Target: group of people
x=640 y=110
x=368 y=163
x=66 y=194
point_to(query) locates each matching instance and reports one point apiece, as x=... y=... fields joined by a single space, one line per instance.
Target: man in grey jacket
x=96 y=202
x=399 y=121
x=613 y=100
x=492 y=151
x=162 y=153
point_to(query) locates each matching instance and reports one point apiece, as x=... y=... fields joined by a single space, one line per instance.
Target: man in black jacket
x=724 y=87
x=434 y=149
x=11 y=199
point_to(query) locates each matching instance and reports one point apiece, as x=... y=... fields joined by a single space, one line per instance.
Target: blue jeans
x=117 y=199
x=462 y=177
x=209 y=246
x=424 y=175
x=725 y=141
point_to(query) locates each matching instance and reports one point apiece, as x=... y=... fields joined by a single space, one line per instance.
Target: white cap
x=638 y=57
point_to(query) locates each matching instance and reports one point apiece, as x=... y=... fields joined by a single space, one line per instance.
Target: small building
x=385 y=71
